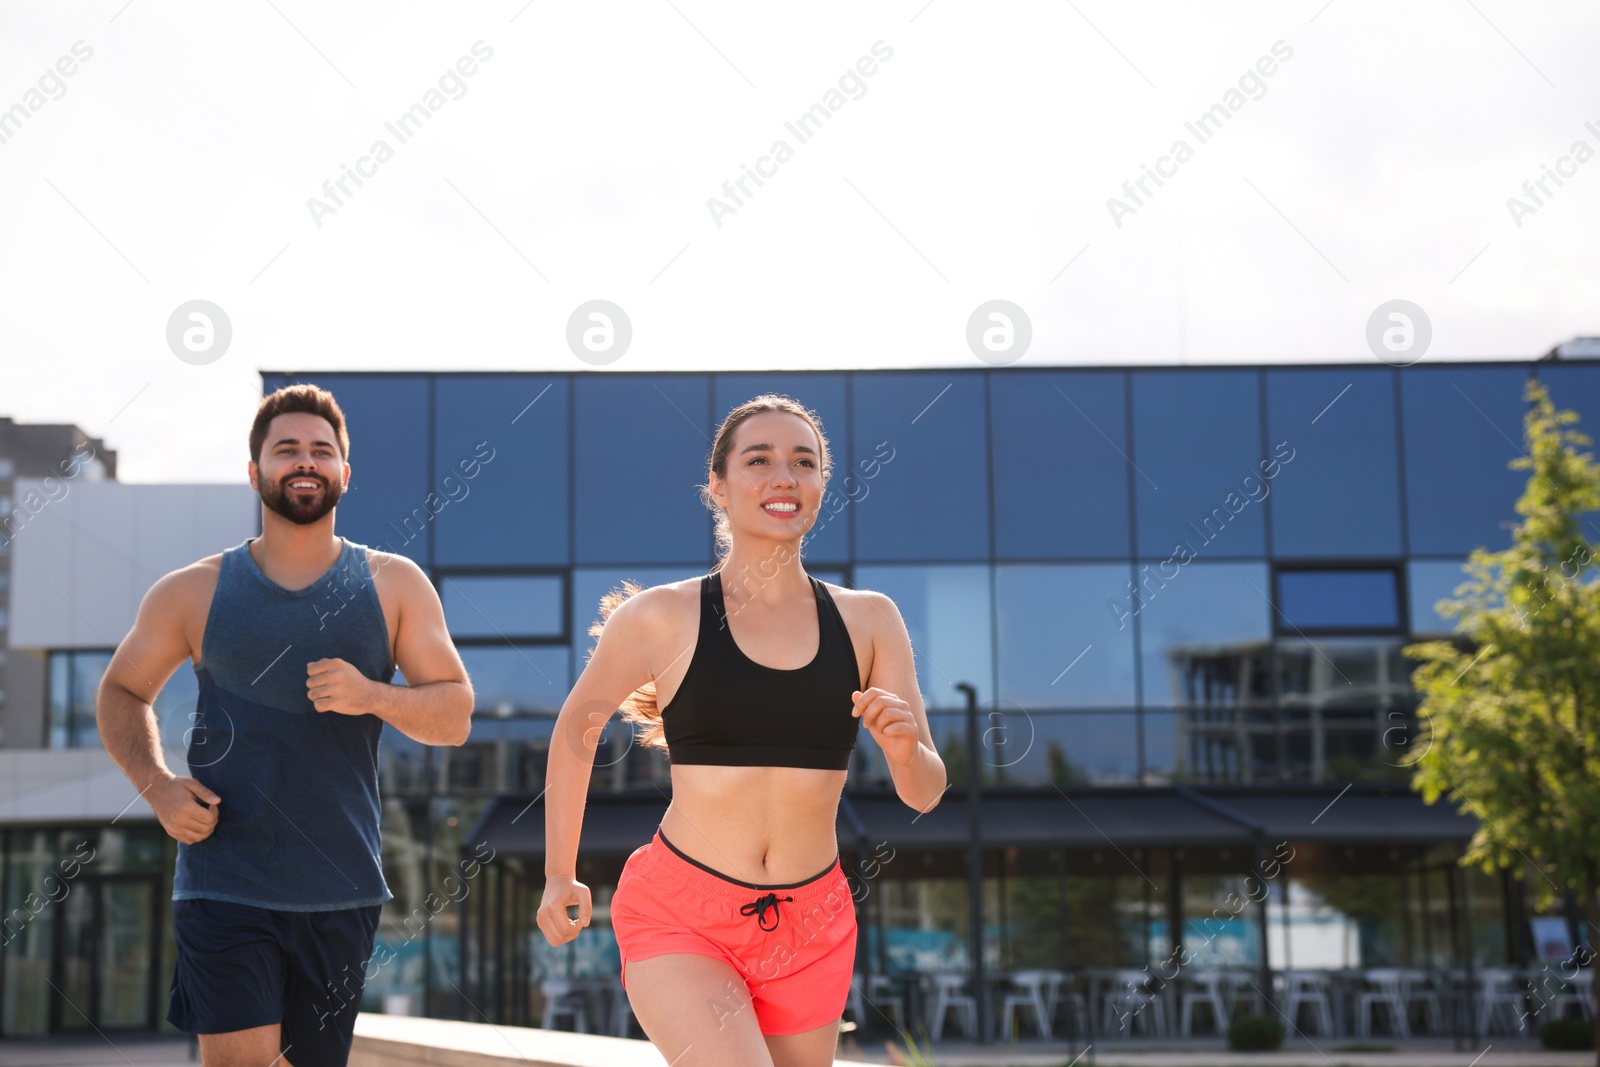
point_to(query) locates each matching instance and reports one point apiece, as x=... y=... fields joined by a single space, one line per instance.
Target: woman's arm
x=891 y=709
x=620 y=664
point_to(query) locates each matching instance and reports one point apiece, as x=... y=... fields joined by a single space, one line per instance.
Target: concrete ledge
x=382 y=1040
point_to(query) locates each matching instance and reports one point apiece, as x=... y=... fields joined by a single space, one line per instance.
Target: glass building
x=1179 y=596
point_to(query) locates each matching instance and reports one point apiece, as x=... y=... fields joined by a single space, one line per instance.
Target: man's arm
x=147 y=657
x=434 y=707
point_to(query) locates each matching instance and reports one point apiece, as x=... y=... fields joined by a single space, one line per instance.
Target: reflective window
x=829 y=539
x=1205 y=632
x=946 y=609
x=1060 y=464
x=1197 y=455
x=1340 y=494
x=502 y=605
x=1338 y=599
x=1463 y=427
x=74 y=682
x=643 y=443
x=500 y=470
x=387 y=504
x=920 y=466
x=74 y=679
x=1065 y=635
x=1059 y=748
x=1430 y=581
x=517 y=679
x=1576 y=387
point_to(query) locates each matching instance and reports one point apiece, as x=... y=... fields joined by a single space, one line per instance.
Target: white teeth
x=780 y=507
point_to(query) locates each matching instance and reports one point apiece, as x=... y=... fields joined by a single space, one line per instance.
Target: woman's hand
x=889 y=720
x=559 y=894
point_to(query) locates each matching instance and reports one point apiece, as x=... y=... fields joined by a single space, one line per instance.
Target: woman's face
x=773 y=486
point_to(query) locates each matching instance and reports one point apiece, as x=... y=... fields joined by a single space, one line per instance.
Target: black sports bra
x=734 y=712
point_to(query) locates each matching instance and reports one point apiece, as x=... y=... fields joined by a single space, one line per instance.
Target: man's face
x=300 y=474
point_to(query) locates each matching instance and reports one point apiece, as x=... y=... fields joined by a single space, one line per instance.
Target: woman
x=735 y=923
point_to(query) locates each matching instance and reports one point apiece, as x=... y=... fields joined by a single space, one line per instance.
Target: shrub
x=1254 y=1033
x=1567 y=1034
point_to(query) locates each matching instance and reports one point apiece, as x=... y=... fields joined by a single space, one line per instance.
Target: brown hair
x=640 y=706
x=300 y=398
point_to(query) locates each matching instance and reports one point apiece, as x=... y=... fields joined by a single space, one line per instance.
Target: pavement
x=175 y=1051
x=120 y=1050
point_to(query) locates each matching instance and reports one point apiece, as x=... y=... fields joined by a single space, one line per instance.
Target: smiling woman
x=739 y=899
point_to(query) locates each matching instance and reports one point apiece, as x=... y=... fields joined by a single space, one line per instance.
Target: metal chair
x=1387 y=995
x=1130 y=997
x=621 y=1009
x=947 y=994
x=1205 y=988
x=1417 y=987
x=1054 y=998
x=561 y=1001
x=1498 y=987
x=879 y=990
x=1581 y=994
x=1307 y=987
x=1030 y=995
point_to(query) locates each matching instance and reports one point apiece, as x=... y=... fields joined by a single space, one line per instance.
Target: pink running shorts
x=794 y=945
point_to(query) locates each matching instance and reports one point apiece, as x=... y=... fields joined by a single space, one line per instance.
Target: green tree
x=1510 y=724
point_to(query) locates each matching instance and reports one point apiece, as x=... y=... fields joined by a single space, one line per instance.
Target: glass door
x=106 y=951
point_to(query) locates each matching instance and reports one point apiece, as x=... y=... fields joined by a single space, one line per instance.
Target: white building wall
x=83 y=561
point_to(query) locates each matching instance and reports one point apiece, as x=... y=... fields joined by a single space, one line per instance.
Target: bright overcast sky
x=576 y=160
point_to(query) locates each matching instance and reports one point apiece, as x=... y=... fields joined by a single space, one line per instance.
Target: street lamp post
x=975 y=860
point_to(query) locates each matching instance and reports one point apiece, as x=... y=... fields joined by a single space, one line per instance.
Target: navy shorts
x=240 y=966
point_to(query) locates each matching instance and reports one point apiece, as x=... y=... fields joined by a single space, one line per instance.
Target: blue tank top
x=297 y=828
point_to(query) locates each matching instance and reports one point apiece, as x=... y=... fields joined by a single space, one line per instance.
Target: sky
x=157 y=154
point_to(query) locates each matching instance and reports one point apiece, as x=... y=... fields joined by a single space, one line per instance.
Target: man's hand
x=334 y=685
x=176 y=801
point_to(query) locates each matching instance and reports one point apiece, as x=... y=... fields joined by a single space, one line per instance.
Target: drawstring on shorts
x=758 y=907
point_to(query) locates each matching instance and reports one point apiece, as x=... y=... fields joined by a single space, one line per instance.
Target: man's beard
x=303 y=511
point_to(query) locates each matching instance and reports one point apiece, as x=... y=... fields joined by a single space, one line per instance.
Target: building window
x=73 y=680
x=1338 y=600
x=501 y=607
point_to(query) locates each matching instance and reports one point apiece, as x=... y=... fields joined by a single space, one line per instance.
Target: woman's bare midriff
x=767 y=825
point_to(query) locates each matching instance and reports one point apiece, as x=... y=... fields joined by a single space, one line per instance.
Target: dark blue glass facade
x=1143 y=572
x=1149 y=576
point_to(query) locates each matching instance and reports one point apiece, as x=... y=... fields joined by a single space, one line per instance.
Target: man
x=295 y=636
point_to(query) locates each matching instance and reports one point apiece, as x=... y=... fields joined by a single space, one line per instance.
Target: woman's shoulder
x=660 y=605
x=864 y=610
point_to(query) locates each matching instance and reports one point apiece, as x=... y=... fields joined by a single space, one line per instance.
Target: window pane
x=74 y=680
x=829 y=539
x=1205 y=634
x=1463 y=426
x=643 y=442
x=946 y=609
x=1576 y=387
x=502 y=605
x=387 y=505
x=500 y=470
x=1340 y=495
x=517 y=679
x=1059 y=748
x=1338 y=599
x=1060 y=464
x=175 y=706
x=1430 y=581
x=1064 y=641
x=1197 y=437
x=928 y=497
